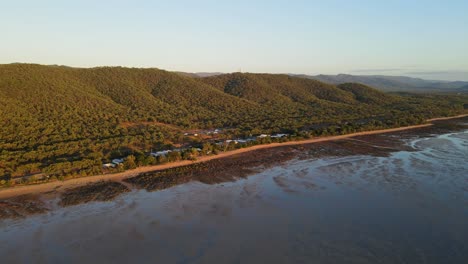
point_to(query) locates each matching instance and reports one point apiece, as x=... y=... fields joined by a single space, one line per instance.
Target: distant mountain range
x=200 y=74
x=393 y=83
x=381 y=82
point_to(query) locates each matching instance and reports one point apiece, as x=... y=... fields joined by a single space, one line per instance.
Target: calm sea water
x=409 y=207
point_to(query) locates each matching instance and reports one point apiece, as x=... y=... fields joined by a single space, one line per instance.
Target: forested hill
x=56 y=117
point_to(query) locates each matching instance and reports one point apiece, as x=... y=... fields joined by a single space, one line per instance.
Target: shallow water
x=407 y=207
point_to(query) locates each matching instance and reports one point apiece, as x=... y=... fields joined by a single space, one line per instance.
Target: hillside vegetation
x=67 y=121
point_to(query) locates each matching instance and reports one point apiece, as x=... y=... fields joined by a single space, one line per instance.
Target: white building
x=108 y=165
x=279 y=135
x=160 y=153
x=117 y=161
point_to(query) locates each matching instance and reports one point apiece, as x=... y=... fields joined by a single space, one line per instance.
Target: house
x=191 y=134
x=263 y=136
x=216 y=131
x=108 y=165
x=279 y=135
x=160 y=153
x=117 y=161
x=235 y=141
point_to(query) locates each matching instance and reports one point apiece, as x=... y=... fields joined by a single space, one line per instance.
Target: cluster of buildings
x=246 y=140
x=165 y=153
x=203 y=132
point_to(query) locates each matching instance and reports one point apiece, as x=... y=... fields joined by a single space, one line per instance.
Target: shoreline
x=446 y=118
x=62 y=185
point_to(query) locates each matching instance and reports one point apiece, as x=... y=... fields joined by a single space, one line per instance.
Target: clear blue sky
x=428 y=38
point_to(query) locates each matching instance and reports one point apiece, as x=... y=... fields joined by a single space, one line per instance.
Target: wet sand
x=22 y=206
x=62 y=185
x=100 y=191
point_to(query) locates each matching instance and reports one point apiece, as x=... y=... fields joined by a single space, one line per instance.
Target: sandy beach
x=62 y=185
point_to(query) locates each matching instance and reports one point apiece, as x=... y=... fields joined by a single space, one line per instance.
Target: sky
x=427 y=39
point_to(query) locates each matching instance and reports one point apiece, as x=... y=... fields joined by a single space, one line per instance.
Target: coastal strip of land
x=446 y=118
x=76 y=182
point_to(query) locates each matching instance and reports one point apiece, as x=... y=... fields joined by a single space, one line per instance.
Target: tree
x=207 y=148
x=174 y=156
x=129 y=162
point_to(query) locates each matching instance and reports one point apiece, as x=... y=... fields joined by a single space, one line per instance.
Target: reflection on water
x=407 y=206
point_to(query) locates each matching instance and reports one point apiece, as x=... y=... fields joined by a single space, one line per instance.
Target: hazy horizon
x=304 y=37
